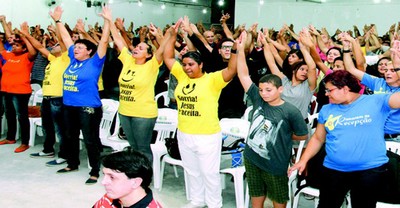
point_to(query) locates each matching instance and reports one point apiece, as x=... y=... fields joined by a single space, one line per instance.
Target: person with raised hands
x=199 y=133
x=52 y=104
x=274 y=124
x=299 y=88
x=387 y=85
x=15 y=84
x=138 y=109
x=81 y=99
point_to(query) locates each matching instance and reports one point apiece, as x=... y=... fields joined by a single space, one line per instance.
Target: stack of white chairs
x=166 y=125
x=237 y=129
x=35 y=123
x=109 y=137
x=395 y=148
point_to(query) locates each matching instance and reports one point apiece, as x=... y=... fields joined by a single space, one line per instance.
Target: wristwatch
x=346 y=51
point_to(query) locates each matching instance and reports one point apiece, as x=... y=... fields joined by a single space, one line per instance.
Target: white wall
x=36 y=12
x=343 y=14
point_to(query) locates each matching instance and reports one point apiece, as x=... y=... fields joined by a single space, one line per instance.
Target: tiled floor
x=28 y=182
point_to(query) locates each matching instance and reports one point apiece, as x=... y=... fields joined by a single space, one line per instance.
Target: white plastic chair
x=395 y=148
x=166 y=124
x=110 y=109
x=247 y=112
x=313 y=105
x=291 y=183
x=35 y=88
x=165 y=97
x=168 y=159
x=35 y=122
x=238 y=129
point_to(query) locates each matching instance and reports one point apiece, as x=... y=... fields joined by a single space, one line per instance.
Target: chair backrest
x=166 y=123
x=312 y=121
x=110 y=108
x=313 y=105
x=235 y=127
x=393 y=147
x=247 y=112
x=35 y=88
x=165 y=97
x=37 y=97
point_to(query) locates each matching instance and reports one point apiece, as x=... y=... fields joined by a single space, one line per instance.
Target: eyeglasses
x=79 y=47
x=330 y=90
x=226 y=47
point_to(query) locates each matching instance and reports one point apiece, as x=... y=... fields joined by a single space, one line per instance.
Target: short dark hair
x=133 y=163
x=223 y=41
x=272 y=79
x=196 y=56
x=89 y=45
x=342 y=78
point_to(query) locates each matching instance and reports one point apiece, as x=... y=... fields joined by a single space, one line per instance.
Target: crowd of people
x=213 y=73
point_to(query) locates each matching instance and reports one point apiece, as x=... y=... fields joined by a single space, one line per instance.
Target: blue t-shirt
x=354 y=138
x=379 y=86
x=80 y=81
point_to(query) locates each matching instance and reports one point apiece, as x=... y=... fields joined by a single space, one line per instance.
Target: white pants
x=201 y=157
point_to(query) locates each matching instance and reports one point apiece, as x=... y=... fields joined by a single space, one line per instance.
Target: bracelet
x=58 y=21
x=396 y=69
x=233 y=51
x=346 y=51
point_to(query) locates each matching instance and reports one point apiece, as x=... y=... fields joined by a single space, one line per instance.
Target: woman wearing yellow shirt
x=199 y=133
x=137 y=108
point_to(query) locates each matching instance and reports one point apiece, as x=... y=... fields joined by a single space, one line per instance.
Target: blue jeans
x=88 y=120
x=16 y=106
x=364 y=187
x=53 y=124
x=139 y=132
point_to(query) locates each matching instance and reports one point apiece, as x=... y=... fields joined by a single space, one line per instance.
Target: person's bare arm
x=103 y=43
x=81 y=29
x=227 y=31
x=312 y=71
x=31 y=50
x=6 y=28
x=35 y=43
x=313 y=147
x=242 y=68
x=119 y=23
x=269 y=57
x=56 y=16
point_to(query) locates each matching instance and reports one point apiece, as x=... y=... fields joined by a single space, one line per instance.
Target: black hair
x=89 y=45
x=287 y=69
x=223 y=41
x=133 y=163
x=272 y=79
x=196 y=56
x=335 y=48
x=342 y=78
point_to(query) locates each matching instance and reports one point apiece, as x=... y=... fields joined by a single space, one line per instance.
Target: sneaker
x=58 y=161
x=42 y=154
x=21 y=148
x=6 y=141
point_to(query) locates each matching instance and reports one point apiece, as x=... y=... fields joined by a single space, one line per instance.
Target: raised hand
x=119 y=23
x=106 y=13
x=24 y=29
x=56 y=13
x=224 y=18
x=80 y=26
x=241 y=41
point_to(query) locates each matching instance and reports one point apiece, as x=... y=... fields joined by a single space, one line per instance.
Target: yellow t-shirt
x=53 y=75
x=100 y=82
x=197 y=101
x=136 y=86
